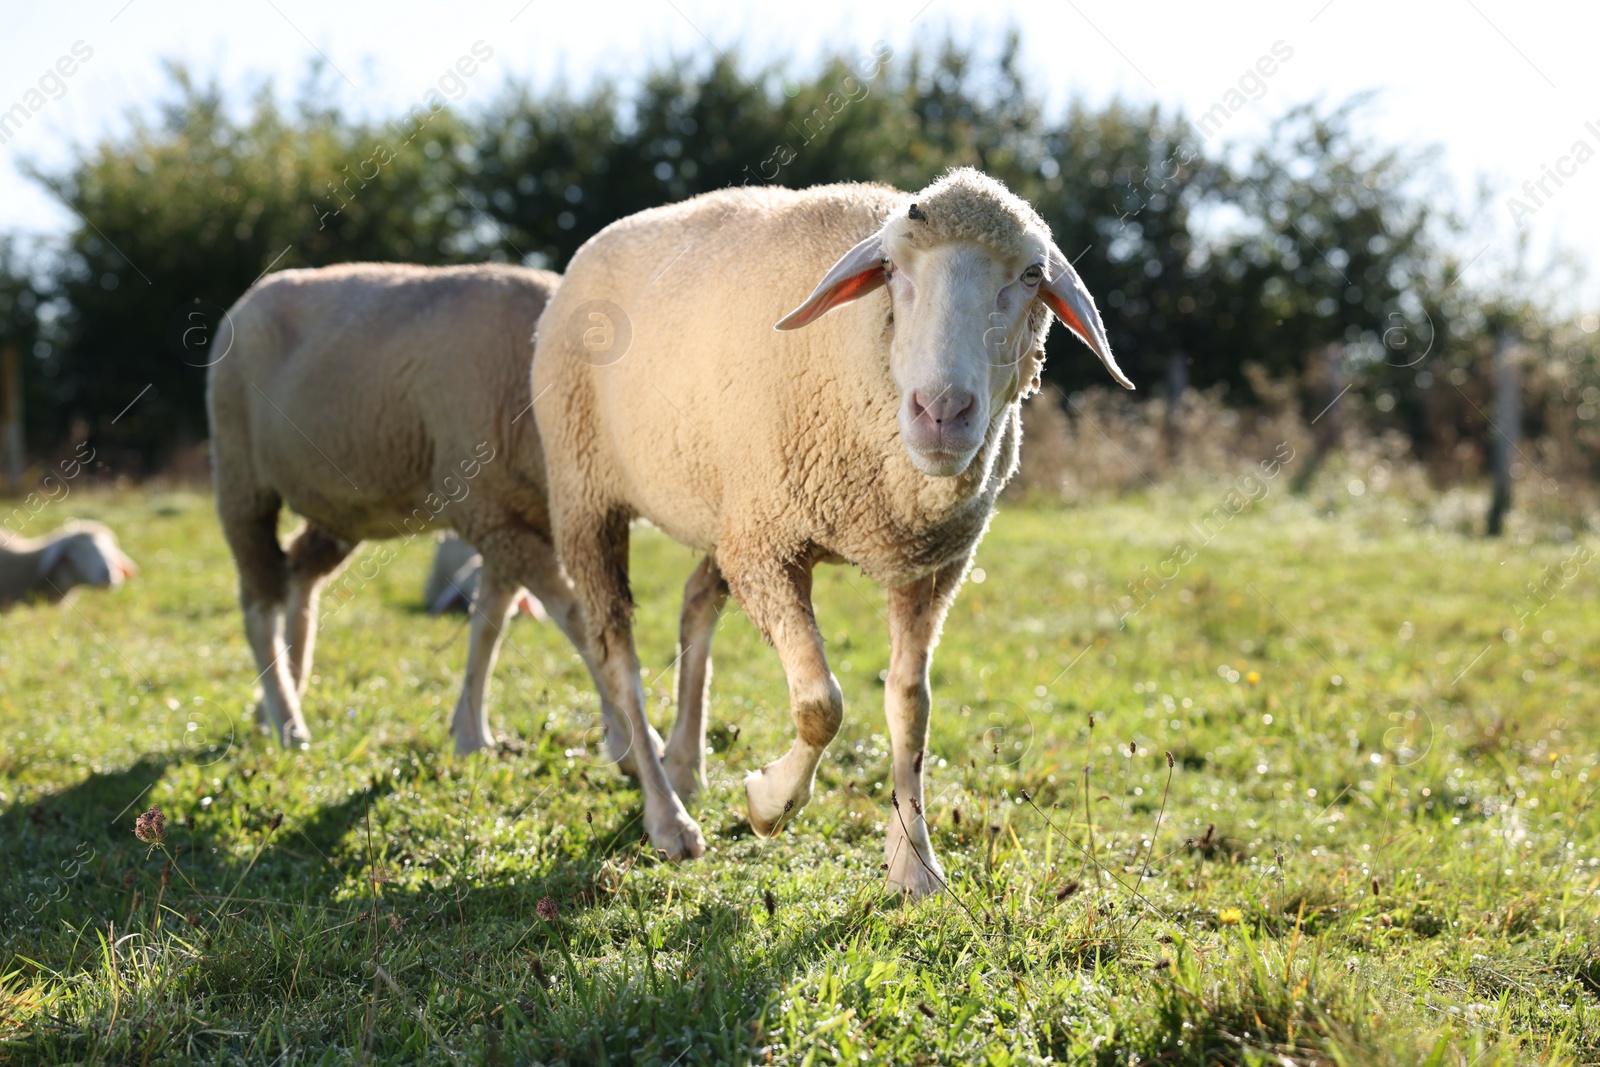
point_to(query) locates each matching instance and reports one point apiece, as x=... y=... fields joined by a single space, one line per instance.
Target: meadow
x=1320 y=790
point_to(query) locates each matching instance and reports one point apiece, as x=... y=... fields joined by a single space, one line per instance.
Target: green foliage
x=1318 y=237
x=185 y=212
x=1378 y=844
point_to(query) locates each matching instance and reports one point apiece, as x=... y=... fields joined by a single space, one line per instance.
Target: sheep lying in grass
x=379 y=401
x=49 y=567
x=452 y=582
x=878 y=435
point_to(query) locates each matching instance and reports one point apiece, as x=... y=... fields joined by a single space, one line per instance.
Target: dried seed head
x=1133 y=748
x=955 y=816
x=894 y=799
x=192 y=918
x=916 y=764
x=1068 y=890
x=1374 y=886
x=1091 y=720
x=151 y=827
x=1027 y=797
x=1162 y=964
x=588 y=817
x=924 y=1009
x=771 y=902
x=546 y=909
x=166 y=874
x=129 y=878
x=1170 y=761
x=277 y=821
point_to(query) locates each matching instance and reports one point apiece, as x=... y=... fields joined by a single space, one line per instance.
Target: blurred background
x=1369 y=233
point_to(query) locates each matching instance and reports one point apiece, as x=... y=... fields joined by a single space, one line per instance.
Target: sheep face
x=88 y=555
x=971 y=270
x=966 y=320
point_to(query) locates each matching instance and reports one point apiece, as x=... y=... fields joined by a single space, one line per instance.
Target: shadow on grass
x=301 y=926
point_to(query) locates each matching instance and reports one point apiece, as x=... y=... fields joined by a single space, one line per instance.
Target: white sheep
x=877 y=436
x=47 y=568
x=452 y=582
x=380 y=401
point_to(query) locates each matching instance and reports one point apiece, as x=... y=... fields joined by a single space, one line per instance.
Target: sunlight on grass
x=1377 y=843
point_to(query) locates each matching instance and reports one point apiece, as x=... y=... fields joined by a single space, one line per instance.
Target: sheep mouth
x=940 y=462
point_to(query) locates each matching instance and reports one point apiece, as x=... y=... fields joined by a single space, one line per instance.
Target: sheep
x=48 y=568
x=872 y=428
x=453 y=580
x=379 y=401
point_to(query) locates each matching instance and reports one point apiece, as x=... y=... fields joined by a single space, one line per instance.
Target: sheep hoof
x=677 y=836
x=914 y=876
x=467 y=744
x=295 y=738
x=769 y=802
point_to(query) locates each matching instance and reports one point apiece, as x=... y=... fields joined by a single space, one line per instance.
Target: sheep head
x=85 y=553
x=973 y=275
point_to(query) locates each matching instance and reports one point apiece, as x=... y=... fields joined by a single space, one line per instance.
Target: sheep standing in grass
x=878 y=436
x=379 y=401
x=452 y=582
x=48 y=568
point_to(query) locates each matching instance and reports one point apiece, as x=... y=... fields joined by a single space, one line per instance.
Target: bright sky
x=1506 y=87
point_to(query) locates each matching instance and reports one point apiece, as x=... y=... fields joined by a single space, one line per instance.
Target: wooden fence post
x=11 y=455
x=1177 y=385
x=1327 y=426
x=1506 y=432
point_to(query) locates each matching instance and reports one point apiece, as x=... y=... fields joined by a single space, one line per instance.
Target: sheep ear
x=124 y=567
x=858 y=272
x=1065 y=294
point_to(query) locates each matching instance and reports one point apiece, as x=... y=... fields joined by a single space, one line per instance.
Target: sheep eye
x=1033 y=275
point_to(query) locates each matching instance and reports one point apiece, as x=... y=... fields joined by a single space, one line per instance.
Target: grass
x=1378 y=845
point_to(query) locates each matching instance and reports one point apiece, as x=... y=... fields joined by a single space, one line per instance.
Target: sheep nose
x=945 y=408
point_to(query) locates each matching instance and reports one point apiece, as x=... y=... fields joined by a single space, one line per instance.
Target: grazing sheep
x=878 y=436
x=380 y=400
x=47 y=568
x=453 y=581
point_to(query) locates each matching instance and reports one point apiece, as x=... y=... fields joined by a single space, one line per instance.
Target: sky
x=1505 y=88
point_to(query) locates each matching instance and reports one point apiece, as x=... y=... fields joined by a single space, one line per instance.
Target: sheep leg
x=780 y=604
x=517 y=550
x=491 y=611
x=916 y=614
x=560 y=604
x=595 y=551
x=313 y=555
x=250 y=522
x=703 y=597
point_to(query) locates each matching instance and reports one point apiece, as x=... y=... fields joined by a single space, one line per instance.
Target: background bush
x=1310 y=261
